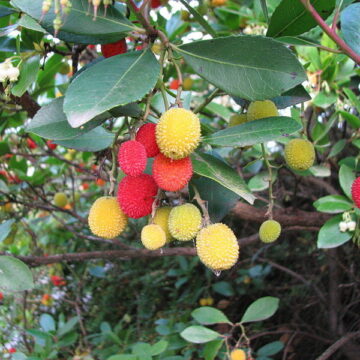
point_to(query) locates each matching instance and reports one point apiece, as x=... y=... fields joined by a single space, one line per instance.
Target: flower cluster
x=8 y=71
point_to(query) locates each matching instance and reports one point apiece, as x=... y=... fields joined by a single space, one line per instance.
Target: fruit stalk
x=271 y=196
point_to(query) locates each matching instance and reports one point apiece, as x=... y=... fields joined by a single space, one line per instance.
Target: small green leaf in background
x=159 y=347
x=353 y=120
x=28 y=74
x=254 y=132
x=330 y=235
x=346 y=179
x=14 y=275
x=350 y=26
x=337 y=148
x=270 y=349
x=260 y=181
x=291 y=17
x=211 y=167
x=68 y=326
x=354 y=100
x=223 y=288
x=47 y=322
x=207 y=315
x=333 y=204
x=5 y=229
x=199 y=334
x=261 y=309
x=233 y=64
x=116 y=81
x=211 y=349
x=122 y=357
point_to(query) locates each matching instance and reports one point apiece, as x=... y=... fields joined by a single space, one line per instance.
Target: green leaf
x=29 y=23
x=350 y=26
x=28 y=74
x=78 y=26
x=270 y=349
x=333 y=204
x=294 y=96
x=346 y=179
x=261 y=309
x=254 y=132
x=330 y=235
x=199 y=19
x=354 y=100
x=291 y=17
x=211 y=167
x=5 y=229
x=68 y=326
x=223 y=288
x=199 y=334
x=112 y=82
x=234 y=65
x=211 y=349
x=260 y=181
x=207 y=315
x=50 y=123
x=337 y=148
x=14 y=275
x=94 y=140
x=298 y=41
x=159 y=347
x=122 y=357
x=353 y=120
x=5 y=11
x=47 y=322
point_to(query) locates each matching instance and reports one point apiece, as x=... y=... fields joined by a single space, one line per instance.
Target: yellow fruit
x=217 y=247
x=106 y=219
x=216 y=3
x=299 y=154
x=161 y=218
x=203 y=302
x=237 y=119
x=238 y=354
x=153 y=237
x=60 y=199
x=8 y=207
x=269 y=231
x=261 y=109
x=178 y=133
x=70 y=155
x=185 y=222
x=188 y=83
x=77 y=196
x=209 y=301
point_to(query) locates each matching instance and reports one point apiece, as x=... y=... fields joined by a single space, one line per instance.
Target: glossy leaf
x=333 y=204
x=270 y=349
x=261 y=309
x=14 y=275
x=254 y=132
x=199 y=334
x=5 y=11
x=112 y=82
x=291 y=97
x=330 y=235
x=346 y=178
x=94 y=140
x=159 y=347
x=291 y=17
x=50 y=123
x=350 y=26
x=207 y=315
x=28 y=22
x=78 y=26
x=223 y=288
x=233 y=64
x=211 y=167
x=5 y=229
x=212 y=348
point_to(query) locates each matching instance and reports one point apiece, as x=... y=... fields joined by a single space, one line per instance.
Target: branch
x=331 y=32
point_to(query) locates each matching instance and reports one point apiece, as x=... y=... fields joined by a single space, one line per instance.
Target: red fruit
x=136 y=195
x=172 y=175
x=57 y=280
x=91 y=47
x=1 y=296
x=51 y=145
x=100 y=182
x=146 y=136
x=81 y=168
x=85 y=186
x=355 y=191
x=116 y=48
x=174 y=85
x=132 y=158
x=12 y=351
x=31 y=143
x=155 y=4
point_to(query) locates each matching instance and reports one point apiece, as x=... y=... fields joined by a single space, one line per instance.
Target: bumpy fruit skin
x=188 y=83
x=178 y=133
x=217 y=247
x=299 y=154
x=261 y=109
x=116 y=48
x=238 y=354
x=60 y=199
x=153 y=237
x=136 y=195
x=132 y=157
x=237 y=119
x=269 y=231
x=106 y=219
x=172 y=175
x=146 y=136
x=355 y=191
x=185 y=222
x=161 y=218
